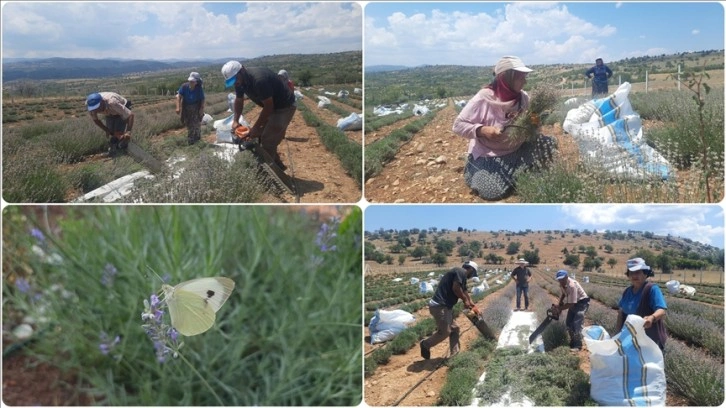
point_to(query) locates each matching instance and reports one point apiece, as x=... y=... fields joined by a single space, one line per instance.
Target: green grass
x=288 y=335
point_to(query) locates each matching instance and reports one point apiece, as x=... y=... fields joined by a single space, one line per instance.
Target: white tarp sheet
x=609 y=134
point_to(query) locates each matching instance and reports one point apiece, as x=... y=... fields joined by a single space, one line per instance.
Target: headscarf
x=502 y=86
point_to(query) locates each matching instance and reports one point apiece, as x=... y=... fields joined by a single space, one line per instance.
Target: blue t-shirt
x=630 y=301
x=189 y=95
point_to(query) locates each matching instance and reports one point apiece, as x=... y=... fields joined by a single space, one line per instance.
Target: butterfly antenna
x=157 y=275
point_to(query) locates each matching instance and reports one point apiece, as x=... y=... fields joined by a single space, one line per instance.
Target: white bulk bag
x=425 y=287
x=353 y=121
x=626 y=369
x=610 y=135
x=414 y=281
x=387 y=324
x=224 y=128
x=323 y=101
x=673 y=286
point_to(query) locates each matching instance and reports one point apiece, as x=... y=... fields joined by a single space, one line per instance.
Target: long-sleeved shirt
x=115 y=105
x=600 y=73
x=484 y=109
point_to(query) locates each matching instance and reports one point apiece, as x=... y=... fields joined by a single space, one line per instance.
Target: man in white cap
x=119 y=118
x=521 y=274
x=450 y=289
x=493 y=158
x=265 y=89
x=576 y=302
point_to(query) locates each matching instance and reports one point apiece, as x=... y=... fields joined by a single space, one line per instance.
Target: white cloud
x=696 y=31
x=162 y=30
x=543 y=32
x=688 y=221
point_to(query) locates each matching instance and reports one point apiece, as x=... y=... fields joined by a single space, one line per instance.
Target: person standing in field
x=522 y=275
x=190 y=104
x=600 y=73
x=451 y=288
x=576 y=302
x=644 y=299
x=493 y=159
x=286 y=79
x=118 y=115
x=265 y=89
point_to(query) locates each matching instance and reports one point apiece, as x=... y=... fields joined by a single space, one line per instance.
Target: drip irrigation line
x=292 y=172
x=410 y=390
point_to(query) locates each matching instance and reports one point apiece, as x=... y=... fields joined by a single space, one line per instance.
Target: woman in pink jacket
x=493 y=160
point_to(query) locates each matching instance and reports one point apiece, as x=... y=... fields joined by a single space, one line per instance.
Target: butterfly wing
x=190 y=313
x=193 y=304
x=214 y=291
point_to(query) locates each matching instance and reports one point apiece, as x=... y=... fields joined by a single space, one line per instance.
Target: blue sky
x=178 y=30
x=478 y=34
x=702 y=223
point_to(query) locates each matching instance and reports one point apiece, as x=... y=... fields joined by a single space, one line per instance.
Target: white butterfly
x=193 y=304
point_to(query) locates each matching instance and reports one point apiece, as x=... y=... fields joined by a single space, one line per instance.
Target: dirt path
x=430 y=167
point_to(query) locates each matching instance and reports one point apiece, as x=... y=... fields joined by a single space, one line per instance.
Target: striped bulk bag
x=626 y=369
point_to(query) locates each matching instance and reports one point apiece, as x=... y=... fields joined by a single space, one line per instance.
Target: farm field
x=318 y=172
x=397 y=375
x=428 y=165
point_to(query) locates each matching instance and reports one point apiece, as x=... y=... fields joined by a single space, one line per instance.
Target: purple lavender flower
x=164 y=338
x=109 y=272
x=326 y=235
x=106 y=346
x=38 y=235
x=23 y=285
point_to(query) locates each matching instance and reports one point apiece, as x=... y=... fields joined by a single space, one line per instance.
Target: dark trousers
x=520 y=291
x=574 y=322
x=446 y=328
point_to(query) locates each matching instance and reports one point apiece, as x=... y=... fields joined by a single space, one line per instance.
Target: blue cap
x=561 y=274
x=230 y=82
x=93 y=101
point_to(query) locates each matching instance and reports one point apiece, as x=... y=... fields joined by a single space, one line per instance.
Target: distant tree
x=513 y=248
x=612 y=262
x=572 y=260
x=419 y=252
x=532 y=257
x=305 y=77
x=591 y=252
x=665 y=263
x=401 y=259
x=389 y=259
x=445 y=246
x=608 y=248
x=441 y=92
x=439 y=259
